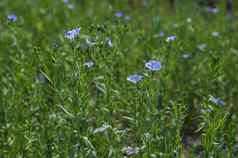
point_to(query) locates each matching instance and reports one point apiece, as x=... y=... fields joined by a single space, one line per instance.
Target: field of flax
x=113 y=79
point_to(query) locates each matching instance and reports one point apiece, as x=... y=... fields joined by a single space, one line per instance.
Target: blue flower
x=66 y=1
x=41 y=79
x=12 y=17
x=212 y=10
x=202 y=46
x=72 y=34
x=71 y=6
x=186 y=55
x=215 y=34
x=89 y=64
x=161 y=34
x=171 y=38
x=134 y=78
x=109 y=42
x=158 y=35
x=216 y=101
x=153 y=65
x=209 y=110
x=128 y=18
x=119 y=14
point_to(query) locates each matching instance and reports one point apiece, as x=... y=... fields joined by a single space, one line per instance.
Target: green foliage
x=52 y=105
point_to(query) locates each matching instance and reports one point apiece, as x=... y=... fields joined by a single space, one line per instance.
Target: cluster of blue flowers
x=152 y=65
